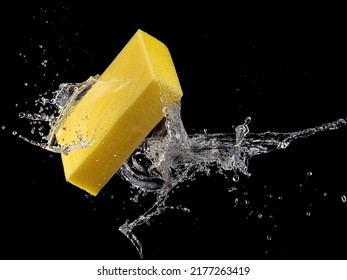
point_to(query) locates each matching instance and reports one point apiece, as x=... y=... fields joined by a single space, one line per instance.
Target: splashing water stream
x=169 y=156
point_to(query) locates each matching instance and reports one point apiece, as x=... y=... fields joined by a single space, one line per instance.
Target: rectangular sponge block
x=118 y=112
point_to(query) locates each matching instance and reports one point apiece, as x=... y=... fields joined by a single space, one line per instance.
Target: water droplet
x=260 y=215
x=309 y=174
x=325 y=193
x=343 y=198
x=14 y=132
x=308 y=213
x=247 y=121
x=232 y=189
x=44 y=63
x=236 y=178
x=21 y=115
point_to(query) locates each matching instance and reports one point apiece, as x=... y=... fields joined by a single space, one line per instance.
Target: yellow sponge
x=119 y=111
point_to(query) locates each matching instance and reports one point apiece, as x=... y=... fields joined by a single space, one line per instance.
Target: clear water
x=169 y=156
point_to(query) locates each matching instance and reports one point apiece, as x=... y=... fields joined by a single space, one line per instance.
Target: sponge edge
x=119 y=111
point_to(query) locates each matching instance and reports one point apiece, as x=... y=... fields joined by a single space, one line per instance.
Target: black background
x=282 y=66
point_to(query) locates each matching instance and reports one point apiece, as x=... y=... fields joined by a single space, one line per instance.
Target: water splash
x=161 y=163
x=169 y=156
x=52 y=113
